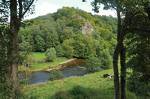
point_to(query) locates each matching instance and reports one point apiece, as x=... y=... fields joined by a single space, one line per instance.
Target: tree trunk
x=116 y=57
x=123 y=72
x=116 y=74
x=13 y=50
x=123 y=55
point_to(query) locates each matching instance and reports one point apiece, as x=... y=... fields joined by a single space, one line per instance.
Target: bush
x=106 y=61
x=62 y=95
x=59 y=51
x=105 y=58
x=50 y=54
x=39 y=43
x=54 y=75
x=78 y=92
x=137 y=85
x=92 y=63
x=68 y=48
x=25 y=46
x=25 y=58
x=84 y=46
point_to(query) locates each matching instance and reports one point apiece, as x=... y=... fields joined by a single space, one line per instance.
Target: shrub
x=68 y=48
x=54 y=75
x=62 y=95
x=137 y=85
x=59 y=51
x=92 y=63
x=105 y=58
x=50 y=54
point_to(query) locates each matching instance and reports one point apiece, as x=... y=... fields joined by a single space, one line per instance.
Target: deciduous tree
x=15 y=10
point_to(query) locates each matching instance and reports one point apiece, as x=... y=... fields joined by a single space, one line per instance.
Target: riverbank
x=70 y=67
x=58 y=64
x=67 y=63
x=39 y=64
x=93 y=86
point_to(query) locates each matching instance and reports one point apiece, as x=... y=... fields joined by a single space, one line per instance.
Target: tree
x=92 y=63
x=139 y=60
x=50 y=54
x=25 y=40
x=39 y=43
x=59 y=51
x=16 y=10
x=138 y=40
x=120 y=49
x=68 y=48
x=81 y=48
x=122 y=8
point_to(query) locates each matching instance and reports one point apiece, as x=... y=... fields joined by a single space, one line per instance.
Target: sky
x=43 y=7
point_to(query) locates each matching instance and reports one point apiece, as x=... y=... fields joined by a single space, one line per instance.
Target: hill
x=72 y=33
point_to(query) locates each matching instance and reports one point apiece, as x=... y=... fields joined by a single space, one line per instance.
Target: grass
x=46 y=65
x=38 y=62
x=38 y=56
x=91 y=86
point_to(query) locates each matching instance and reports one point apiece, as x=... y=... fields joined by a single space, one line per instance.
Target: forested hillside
x=70 y=33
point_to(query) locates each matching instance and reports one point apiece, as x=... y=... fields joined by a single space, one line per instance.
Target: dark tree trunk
x=124 y=29
x=123 y=72
x=119 y=53
x=13 y=47
x=116 y=57
x=116 y=73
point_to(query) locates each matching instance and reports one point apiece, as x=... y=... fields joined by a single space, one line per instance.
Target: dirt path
x=70 y=62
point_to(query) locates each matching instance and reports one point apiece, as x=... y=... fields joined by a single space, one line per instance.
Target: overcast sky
x=43 y=7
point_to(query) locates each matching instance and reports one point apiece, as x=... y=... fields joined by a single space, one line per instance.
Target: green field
x=91 y=86
x=38 y=62
x=38 y=56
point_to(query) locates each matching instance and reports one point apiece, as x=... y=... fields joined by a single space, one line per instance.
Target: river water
x=42 y=76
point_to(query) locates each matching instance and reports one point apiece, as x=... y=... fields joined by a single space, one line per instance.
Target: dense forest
x=71 y=33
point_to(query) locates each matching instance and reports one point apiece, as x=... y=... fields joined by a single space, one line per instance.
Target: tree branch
x=20 y=9
x=27 y=8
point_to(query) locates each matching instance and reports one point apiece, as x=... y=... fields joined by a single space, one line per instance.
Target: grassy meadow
x=39 y=63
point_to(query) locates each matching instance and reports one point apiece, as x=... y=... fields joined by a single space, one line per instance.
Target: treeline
x=72 y=33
